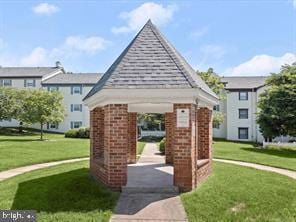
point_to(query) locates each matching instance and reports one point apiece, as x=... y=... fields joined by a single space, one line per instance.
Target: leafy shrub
x=72 y=133
x=78 y=133
x=162 y=145
x=83 y=133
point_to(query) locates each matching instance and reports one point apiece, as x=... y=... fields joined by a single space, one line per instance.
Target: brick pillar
x=205 y=133
x=116 y=143
x=185 y=149
x=97 y=167
x=204 y=156
x=132 y=133
x=169 y=137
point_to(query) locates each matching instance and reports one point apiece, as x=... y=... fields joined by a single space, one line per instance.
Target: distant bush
x=162 y=145
x=150 y=139
x=82 y=132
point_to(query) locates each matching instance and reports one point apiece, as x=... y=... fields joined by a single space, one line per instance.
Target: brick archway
x=150 y=74
x=113 y=144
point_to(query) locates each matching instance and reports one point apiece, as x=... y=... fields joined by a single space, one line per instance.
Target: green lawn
x=278 y=157
x=61 y=193
x=234 y=193
x=20 y=150
x=140 y=147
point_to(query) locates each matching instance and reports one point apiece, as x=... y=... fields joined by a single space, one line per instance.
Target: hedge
x=82 y=132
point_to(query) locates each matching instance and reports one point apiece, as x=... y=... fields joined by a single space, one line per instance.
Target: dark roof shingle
x=74 y=78
x=15 y=72
x=150 y=61
x=243 y=82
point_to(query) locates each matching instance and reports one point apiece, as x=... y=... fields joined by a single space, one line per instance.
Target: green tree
x=11 y=100
x=7 y=103
x=277 y=116
x=42 y=107
x=153 y=120
x=214 y=82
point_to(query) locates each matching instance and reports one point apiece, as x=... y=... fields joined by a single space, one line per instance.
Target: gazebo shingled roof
x=150 y=62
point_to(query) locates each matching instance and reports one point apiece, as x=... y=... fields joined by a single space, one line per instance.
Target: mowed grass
x=282 y=157
x=60 y=193
x=140 y=147
x=19 y=150
x=234 y=193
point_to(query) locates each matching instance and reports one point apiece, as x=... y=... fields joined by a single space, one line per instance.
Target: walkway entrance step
x=149 y=207
x=168 y=189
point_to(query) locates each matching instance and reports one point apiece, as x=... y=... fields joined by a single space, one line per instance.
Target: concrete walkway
x=20 y=170
x=149 y=194
x=289 y=173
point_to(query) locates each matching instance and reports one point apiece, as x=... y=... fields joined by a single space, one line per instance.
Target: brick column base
x=185 y=149
x=204 y=154
x=109 y=135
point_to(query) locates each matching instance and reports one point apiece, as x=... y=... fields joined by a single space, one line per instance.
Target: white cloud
x=45 y=9
x=294 y=3
x=73 y=46
x=136 y=18
x=38 y=57
x=88 y=44
x=261 y=65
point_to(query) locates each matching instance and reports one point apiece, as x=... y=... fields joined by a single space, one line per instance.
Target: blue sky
x=233 y=37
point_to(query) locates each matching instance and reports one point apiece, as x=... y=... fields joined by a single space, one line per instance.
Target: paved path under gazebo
x=149 y=194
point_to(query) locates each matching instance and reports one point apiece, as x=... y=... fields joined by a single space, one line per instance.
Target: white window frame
x=5 y=81
x=75 y=106
x=75 y=91
x=240 y=116
x=240 y=135
x=240 y=97
x=79 y=124
x=29 y=83
x=53 y=126
x=216 y=108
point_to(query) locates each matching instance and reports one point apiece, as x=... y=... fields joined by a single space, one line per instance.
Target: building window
x=243 y=133
x=243 y=113
x=216 y=108
x=29 y=83
x=52 y=126
x=76 y=107
x=76 y=90
x=76 y=124
x=6 y=82
x=216 y=125
x=52 y=88
x=243 y=95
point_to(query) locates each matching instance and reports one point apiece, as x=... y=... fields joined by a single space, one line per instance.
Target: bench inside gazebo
x=150 y=76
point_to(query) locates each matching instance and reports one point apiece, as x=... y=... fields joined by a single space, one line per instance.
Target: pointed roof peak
x=150 y=62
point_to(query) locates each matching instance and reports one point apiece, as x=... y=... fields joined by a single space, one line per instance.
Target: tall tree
x=42 y=107
x=214 y=82
x=277 y=116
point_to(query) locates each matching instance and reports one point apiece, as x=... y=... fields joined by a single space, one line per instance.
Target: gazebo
x=150 y=76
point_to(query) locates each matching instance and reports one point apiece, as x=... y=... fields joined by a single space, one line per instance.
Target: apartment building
x=73 y=86
x=240 y=108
